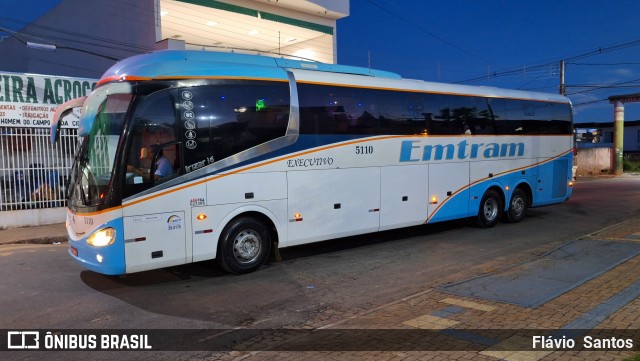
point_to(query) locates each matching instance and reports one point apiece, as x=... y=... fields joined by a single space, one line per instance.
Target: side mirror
x=62 y=111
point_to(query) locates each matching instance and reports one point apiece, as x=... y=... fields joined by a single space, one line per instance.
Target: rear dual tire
x=490 y=209
x=517 y=206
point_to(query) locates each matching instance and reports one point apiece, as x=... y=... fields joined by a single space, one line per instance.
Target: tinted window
x=337 y=110
x=152 y=141
x=343 y=110
x=530 y=117
x=228 y=117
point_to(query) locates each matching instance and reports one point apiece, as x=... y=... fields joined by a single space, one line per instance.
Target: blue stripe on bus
x=466 y=201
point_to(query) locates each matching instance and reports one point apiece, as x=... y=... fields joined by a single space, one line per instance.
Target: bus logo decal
x=174 y=222
x=410 y=151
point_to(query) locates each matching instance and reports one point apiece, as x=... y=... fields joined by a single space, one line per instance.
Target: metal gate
x=33 y=172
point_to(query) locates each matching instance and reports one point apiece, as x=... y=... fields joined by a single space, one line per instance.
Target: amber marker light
x=434 y=200
x=115 y=78
x=201 y=217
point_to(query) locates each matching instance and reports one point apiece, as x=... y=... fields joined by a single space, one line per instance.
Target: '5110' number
x=364 y=149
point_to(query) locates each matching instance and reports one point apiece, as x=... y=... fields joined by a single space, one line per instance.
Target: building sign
x=30 y=101
x=629 y=98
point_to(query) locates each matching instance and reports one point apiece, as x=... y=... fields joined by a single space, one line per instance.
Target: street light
x=39 y=46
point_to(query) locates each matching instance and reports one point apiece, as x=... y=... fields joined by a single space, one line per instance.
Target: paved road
x=315 y=286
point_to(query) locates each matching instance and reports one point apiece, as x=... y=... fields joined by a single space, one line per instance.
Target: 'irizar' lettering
x=413 y=151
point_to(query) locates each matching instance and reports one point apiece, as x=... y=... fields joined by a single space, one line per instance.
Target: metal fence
x=33 y=172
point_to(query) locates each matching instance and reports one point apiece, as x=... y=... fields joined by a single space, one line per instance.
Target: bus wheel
x=490 y=209
x=244 y=246
x=517 y=206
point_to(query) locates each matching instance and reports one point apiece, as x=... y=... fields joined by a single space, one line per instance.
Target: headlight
x=103 y=237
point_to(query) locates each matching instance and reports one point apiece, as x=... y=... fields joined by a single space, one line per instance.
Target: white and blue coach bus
x=188 y=156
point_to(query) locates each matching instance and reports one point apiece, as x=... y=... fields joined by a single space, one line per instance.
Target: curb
x=40 y=240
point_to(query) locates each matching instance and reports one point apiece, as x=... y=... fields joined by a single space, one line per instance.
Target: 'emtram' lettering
x=413 y=151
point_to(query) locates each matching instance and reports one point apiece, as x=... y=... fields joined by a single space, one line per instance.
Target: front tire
x=244 y=246
x=517 y=206
x=490 y=209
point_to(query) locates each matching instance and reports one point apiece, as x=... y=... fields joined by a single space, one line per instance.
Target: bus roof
x=182 y=64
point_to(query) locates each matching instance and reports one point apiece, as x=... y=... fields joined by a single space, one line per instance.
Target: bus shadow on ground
x=284 y=292
x=209 y=269
x=195 y=272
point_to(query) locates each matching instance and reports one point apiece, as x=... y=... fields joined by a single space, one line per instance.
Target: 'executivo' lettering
x=413 y=151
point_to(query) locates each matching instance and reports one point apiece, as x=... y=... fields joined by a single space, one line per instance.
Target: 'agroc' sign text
x=30 y=100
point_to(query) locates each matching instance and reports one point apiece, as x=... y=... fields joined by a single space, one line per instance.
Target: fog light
x=99 y=258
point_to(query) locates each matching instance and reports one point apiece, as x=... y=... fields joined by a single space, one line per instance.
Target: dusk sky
x=511 y=44
x=461 y=40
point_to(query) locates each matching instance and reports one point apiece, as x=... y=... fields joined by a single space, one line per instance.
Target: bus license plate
x=74 y=251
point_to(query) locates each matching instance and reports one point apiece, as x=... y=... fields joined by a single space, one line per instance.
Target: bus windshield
x=94 y=160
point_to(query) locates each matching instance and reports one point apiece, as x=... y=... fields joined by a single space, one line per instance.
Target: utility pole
x=562 y=87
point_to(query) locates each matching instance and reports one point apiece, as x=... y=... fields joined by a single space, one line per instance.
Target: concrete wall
x=594 y=161
x=32 y=217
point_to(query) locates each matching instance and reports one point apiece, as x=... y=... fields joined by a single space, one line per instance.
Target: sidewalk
x=47 y=234
x=602 y=308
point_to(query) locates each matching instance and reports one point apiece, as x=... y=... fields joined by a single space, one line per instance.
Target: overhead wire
x=58 y=46
x=569 y=59
x=609 y=86
x=57 y=33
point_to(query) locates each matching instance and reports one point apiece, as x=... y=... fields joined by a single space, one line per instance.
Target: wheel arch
x=273 y=230
x=499 y=189
x=276 y=229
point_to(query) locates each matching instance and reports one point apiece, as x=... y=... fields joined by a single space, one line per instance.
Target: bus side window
x=228 y=117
